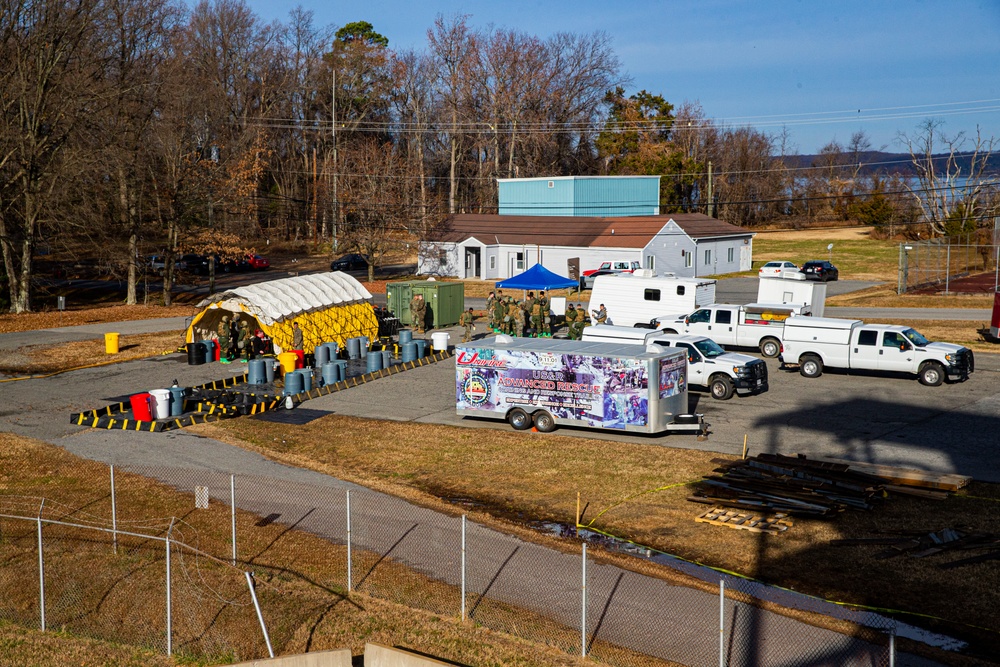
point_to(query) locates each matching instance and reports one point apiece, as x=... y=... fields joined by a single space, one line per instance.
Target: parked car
x=352 y=262
x=777 y=269
x=587 y=280
x=820 y=270
x=258 y=262
x=158 y=263
x=616 y=267
x=196 y=264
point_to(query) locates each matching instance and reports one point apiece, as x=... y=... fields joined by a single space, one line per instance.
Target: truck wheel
x=810 y=366
x=721 y=387
x=519 y=419
x=670 y=332
x=544 y=422
x=770 y=347
x=931 y=374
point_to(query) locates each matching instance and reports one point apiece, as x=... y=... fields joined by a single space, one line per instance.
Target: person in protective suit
x=224 y=340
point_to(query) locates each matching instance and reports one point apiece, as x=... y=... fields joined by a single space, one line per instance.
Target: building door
x=473 y=268
x=516 y=263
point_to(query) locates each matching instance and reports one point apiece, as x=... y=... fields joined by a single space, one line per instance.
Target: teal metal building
x=583 y=196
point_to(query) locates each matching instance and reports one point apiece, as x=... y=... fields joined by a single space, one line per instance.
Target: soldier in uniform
x=223 y=331
x=499 y=312
x=511 y=317
x=243 y=342
x=545 y=329
x=418 y=313
x=490 y=303
x=581 y=322
x=601 y=316
x=570 y=321
x=467 y=320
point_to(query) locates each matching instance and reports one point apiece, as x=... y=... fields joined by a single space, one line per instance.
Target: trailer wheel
x=931 y=374
x=519 y=419
x=686 y=419
x=770 y=347
x=810 y=366
x=544 y=422
x=721 y=387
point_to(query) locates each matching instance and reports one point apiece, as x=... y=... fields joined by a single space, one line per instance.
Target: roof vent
x=612 y=231
x=552 y=184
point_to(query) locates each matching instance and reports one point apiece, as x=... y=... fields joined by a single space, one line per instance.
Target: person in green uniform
x=468 y=320
x=224 y=341
x=570 y=321
x=543 y=303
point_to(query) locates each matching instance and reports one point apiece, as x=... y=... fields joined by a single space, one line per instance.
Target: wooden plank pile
x=755 y=523
x=920 y=544
x=811 y=487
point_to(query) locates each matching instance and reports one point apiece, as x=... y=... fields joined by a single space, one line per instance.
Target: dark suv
x=352 y=262
x=820 y=270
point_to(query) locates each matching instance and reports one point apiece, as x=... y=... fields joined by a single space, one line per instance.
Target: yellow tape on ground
x=633 y=497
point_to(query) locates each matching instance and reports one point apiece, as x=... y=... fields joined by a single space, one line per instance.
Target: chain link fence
x=172 y=559
x=953 y=264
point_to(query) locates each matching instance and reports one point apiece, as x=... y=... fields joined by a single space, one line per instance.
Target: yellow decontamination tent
x=328 y=307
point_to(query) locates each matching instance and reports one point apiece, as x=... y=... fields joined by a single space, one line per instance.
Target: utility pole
x=710 y=189
x=333 y=132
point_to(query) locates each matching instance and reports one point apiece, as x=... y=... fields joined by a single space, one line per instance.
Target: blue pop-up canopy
x=537 y=277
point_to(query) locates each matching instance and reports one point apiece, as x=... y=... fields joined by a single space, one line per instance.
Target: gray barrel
x=363 y=343
x=256 y=371
x=176 y=401
x=374 y=362
x=209 y=346
x=331 y=372
x=307 y=377
x=269 y=369
x=333 y=350
x=322 y=355
x=405 y=336
x=421 y=347
x=409 y=351
x=353 y=348
x=343 y=369
x=386 y=358
x=293 y=383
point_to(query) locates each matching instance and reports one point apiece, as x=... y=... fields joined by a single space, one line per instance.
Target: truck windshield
x=915 y=337
x=709 y=348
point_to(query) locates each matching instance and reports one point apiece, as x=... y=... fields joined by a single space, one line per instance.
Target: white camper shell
x=722 y=373
x=793 y=290
x=643 y=296
x=817 y=342
x=545 y=382
x=756 y=325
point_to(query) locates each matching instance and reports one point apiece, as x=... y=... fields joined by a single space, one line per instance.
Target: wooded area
x=132 y=127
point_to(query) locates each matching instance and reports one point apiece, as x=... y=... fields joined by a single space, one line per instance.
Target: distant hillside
x=898 y=163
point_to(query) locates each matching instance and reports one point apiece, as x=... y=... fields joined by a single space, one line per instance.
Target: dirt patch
x=833 y=234
x=40 y=359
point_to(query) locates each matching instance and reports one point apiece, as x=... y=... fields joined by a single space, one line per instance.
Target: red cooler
x=140 y=407
x=300 y=361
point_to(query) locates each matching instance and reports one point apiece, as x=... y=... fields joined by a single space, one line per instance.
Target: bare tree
x=952 y=190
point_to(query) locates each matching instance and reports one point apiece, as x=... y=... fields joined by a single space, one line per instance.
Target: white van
x=642 y=297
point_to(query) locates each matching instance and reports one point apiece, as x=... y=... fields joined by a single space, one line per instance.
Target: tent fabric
x=537 y=277
x=329 y=307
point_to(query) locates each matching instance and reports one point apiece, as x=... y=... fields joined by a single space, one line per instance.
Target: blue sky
x=823 y=69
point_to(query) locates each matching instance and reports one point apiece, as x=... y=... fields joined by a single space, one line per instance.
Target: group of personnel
x=237 y=341
x=530 y=317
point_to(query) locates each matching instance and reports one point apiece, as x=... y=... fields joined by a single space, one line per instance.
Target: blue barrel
x=386 y=358
x=331 y=372
x=269 y=369
x=363 y=346
x=353 y=348
x=256 y=371
x=343 y=369
x=374 y=362
x=293 y=383
x=322 y=355
x=307 y=378
x=409 y=351
x=333 y=350
x=209 y=346
x=421 y=347
x=176 y=401
x=405 y=336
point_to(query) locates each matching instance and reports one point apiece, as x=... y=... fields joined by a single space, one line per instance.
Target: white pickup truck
x=722 y=373
x=753 y=325
x=817 y=342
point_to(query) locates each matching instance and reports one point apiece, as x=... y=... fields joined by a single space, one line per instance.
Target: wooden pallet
x=907 y=476
x=755 y=523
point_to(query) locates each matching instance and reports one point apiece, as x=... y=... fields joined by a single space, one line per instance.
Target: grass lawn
x=528 y=477
x=40 y=359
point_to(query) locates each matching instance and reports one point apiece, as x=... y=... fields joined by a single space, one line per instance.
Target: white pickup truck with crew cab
x=722 y=373
x=817 y=342
x=752 y=325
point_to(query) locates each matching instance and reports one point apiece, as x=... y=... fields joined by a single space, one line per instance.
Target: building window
x=708 y=257
x=650 y=262
x=729 y=255
x=493 y=262
x=651 y=295
x=688 y=260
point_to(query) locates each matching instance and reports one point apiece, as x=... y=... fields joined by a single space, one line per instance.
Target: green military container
x=445 y=300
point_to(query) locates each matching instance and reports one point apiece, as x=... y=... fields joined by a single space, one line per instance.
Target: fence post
x=114 y=511
x=170 y=647
x=41 y=567
x=722 y=623
x=463 y=567
x=583 y=606
x=349 y=582
x=996 y=270
x=232 y=511
x=947 y=269
x=260 y=616
x=892 y=645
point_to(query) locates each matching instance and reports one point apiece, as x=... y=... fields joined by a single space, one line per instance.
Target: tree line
x=136 y=126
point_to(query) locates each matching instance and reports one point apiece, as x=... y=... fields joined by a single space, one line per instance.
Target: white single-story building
x=495 y=247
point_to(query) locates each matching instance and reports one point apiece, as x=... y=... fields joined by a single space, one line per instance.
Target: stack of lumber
x=810 y=487
x=920 y=544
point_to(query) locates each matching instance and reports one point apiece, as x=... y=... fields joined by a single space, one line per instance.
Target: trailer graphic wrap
x=672 y=376
x=598 y=391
